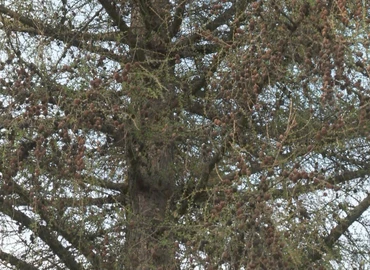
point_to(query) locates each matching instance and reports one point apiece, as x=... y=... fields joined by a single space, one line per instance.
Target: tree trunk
x=149 y=242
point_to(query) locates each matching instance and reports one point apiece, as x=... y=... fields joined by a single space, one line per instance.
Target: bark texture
x=152 y=177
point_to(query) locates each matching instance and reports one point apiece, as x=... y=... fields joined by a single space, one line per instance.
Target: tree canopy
x=157 y=134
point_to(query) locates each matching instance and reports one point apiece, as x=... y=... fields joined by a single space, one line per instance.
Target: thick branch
x=62 y=33
x=211 y=26
x=67 y=34
x=177 y=18
x=20 y=264
x=197 y=87
x=342 y=227
x=199 y=49
x=201 y=195
x=53 y=223
x=147 y=14
x=71 y=202
x=346 y=222
x=42 y=232
x=335 y=180
x=211 y=165
x=18 y=17
x=113 y=13
x=121 y=187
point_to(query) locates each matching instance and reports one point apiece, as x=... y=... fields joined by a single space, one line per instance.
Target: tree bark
x=149 y=243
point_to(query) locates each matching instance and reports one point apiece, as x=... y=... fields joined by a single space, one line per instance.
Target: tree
x=154 y=134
